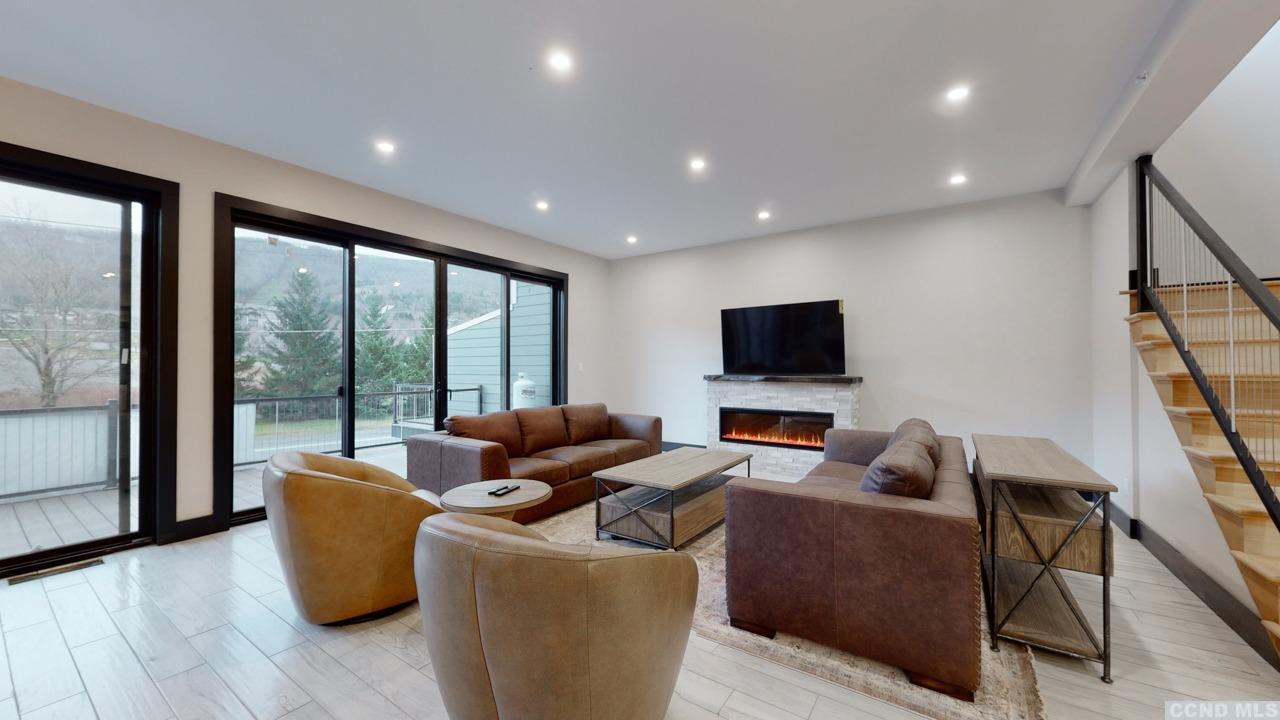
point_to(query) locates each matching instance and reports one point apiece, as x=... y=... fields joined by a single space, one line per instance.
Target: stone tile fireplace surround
x=804 y=395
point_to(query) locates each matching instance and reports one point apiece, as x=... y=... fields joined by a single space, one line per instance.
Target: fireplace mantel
x=822 y=379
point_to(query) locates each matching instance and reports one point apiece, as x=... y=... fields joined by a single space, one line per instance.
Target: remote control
x=503 y=491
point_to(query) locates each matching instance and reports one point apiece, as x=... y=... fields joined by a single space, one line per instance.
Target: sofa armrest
x=892 y=578
x=623 y=426
x=439 y=462
x=859 y=447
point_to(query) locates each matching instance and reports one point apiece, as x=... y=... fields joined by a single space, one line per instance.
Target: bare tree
x=57 y=312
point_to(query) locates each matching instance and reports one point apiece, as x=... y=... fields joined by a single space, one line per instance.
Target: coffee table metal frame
x=664 y=494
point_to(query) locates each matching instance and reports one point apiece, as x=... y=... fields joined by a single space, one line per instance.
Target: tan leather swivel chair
x=520 y=628
x=344 y=531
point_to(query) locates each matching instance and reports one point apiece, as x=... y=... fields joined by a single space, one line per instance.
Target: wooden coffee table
x=474 y=498
x=674 y=496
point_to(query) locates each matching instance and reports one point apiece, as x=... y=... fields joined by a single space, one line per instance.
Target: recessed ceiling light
x=542 y=205
x=763 y=215
x=958 y=93
x=632 y=239
x=302 y=271
x=386 y=147
x=697 y=164
x=958 y=179
x=395 y=284
x=560 y=61
x=108 y=274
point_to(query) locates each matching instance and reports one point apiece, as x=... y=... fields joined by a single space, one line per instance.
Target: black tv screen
x=795 y=339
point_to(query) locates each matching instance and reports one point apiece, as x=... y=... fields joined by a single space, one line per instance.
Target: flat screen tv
x=795 y=339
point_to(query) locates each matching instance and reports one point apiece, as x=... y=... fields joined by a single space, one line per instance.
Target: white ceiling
x=821 y=111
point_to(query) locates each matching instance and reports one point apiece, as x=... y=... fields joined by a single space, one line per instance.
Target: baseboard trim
x=668 y=446
x=1127 y=525
x=1238 y=616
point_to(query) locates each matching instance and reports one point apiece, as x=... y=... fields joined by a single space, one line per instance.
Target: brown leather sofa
x=344 y=531
x=519 y=628
x=560 y=445
x=891 y=578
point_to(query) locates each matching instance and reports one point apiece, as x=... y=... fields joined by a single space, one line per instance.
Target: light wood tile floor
x=206 y=629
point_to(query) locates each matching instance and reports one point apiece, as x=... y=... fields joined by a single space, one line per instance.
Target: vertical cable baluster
x=1231 y=354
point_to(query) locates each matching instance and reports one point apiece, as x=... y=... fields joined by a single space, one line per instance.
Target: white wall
x=970 y=316
x=1115 y=363
x=1225 y=158
x=46 y=121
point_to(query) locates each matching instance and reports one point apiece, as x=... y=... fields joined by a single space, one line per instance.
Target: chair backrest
x=520 y=627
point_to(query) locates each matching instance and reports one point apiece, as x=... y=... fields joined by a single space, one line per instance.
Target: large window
x=347 y=340
x=80 y=449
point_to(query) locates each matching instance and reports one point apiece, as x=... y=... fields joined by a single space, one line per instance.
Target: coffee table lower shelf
x=662 y=518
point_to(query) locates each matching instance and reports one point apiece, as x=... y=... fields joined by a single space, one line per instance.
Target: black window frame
x=158 y=371
x=231 y=212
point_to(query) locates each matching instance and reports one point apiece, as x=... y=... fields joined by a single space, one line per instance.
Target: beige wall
x=35 y=118
x=972 y=316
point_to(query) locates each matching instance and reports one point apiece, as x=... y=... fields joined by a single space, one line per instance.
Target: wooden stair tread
x=1187 y=411
x=1171 y=374
x=1165 y=340
x=1249 y=309
x=1267 y=567
x=1241 y=506
x=1219 y=453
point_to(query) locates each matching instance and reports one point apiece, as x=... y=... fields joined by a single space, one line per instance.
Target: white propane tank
x=523 y=392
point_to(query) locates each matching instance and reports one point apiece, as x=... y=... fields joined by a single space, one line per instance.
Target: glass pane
x=395 y=354
x=288 y=353
x=65 y=409
x=475 y=341
x=530 y=344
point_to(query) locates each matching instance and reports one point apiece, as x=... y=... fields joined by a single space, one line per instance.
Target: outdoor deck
x=55 y=519
x=247 y=483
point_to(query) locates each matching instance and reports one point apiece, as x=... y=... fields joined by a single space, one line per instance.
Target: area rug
x=1009 y=688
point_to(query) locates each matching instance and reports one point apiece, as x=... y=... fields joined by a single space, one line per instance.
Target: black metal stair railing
x=1223 y=321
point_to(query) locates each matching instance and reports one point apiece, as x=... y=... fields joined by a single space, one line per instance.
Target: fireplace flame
x=809 y=440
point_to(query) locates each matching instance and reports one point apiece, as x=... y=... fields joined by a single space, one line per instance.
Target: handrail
x=1250 y=283
x=1215 y=267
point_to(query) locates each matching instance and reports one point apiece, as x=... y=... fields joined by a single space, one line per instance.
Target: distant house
x=475 y=363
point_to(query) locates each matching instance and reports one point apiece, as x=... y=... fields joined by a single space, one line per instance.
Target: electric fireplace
x=777 y=428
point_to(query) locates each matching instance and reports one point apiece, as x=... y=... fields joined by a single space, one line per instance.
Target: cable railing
x=313 y=423
x=1224 y=323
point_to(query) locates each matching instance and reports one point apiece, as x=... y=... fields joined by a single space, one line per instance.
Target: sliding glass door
x=347 y=340
x=70 y=332
x=289 y=335
x=475 y=343
x=532 y=368
x=395 y=345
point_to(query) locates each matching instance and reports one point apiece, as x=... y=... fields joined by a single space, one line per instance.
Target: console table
x=1036 y=522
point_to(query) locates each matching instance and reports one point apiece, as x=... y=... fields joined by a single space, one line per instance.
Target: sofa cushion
x=904 y=468
x=550 y=472
x=586 y=422
x=848 y=472
x=920 y=431
x=582 y=459
x=500 y=427
x=624 y=450
x=541 y=428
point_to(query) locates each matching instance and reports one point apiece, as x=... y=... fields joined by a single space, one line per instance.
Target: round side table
x=474 y=498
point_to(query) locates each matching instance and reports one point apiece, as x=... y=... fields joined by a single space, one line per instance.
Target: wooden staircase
x=1245 y=524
